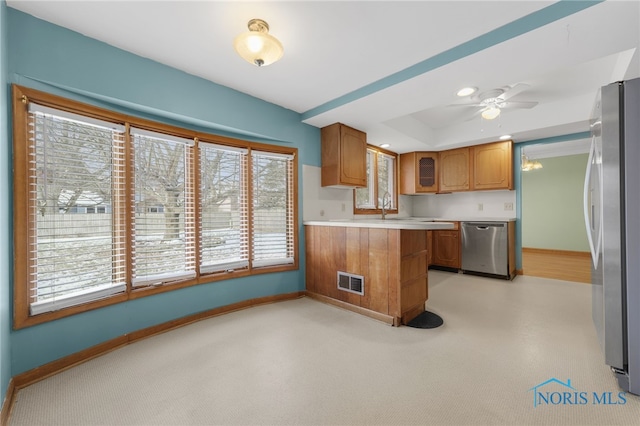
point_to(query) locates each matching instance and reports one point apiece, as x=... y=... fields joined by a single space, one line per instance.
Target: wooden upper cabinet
x=493 y=166
x=418 y=172
x=344 y=156
x=455 y=170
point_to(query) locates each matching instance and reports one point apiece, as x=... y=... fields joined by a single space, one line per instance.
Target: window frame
x=372 y=178
x=23 y=229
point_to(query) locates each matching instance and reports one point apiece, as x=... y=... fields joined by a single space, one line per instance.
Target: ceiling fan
x=492 y=102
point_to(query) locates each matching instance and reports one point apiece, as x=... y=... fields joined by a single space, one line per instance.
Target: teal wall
x=5 y=213
x=50 y=58
x=552 y=208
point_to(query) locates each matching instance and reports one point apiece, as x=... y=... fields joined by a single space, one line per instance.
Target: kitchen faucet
x=384 y=204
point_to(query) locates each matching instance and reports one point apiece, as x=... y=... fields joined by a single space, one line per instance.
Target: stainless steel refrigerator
x=612 y=218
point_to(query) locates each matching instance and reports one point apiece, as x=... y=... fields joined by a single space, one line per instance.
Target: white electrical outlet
x=321 y=212
x=344 y=207
x=480 y=207
x=508 y=207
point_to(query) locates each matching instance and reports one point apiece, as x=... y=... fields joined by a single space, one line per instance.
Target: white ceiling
x=350 y=61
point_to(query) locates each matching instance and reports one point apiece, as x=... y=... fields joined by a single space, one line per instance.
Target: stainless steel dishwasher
x=485 y=248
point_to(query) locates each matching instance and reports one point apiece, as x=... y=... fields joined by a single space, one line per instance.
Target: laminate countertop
x=389 y=223
x=468 y=219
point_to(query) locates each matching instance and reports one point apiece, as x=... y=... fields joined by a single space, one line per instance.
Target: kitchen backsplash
x=466 y=204
x=329 y=203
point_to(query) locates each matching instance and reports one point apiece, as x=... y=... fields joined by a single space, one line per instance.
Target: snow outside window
x=164 y=242
x=77 y=166
x=224 y=219
x=106 y=204
x=272 y=210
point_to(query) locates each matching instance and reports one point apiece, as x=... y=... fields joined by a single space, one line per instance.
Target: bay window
x=108 y=207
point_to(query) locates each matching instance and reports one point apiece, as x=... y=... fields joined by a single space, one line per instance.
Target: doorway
x=553 y=236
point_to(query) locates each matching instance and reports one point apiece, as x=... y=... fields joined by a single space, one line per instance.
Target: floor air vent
x=351 y=283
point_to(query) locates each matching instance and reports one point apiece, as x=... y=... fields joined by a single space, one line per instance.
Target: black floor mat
x=426 y=320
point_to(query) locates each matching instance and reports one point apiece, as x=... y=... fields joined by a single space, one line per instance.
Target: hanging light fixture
x=257 y=46
x=528 y=165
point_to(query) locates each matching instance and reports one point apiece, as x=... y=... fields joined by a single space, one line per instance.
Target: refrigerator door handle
x=587 y=205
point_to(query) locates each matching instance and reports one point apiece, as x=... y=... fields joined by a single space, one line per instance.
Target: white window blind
x=381 y=178
x=386 y=169
x=272 y=209
x=365 y=198
x=224 y=217
x=77 y=166
x=163 y=217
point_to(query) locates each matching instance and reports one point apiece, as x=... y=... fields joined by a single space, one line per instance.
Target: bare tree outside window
x=381 y=179
x=162 y=240
x=74 y=166
x=160 y=181
x=73 y=172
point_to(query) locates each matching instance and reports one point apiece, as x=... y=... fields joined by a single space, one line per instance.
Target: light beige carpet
x=305 y=363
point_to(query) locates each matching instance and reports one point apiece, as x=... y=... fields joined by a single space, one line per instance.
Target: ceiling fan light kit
x=492 y=102
x=491 y=112
x=257 y=46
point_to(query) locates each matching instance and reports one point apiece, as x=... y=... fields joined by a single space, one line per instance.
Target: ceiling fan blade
x=472 y=116
x=513 y=90
x=512 y=104
x=474 y=104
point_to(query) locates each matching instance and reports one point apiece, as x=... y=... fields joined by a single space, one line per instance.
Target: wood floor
x=557 y=264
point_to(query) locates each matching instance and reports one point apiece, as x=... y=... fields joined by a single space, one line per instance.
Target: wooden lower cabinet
x=446 y=248
x=429 y=247
x=393 y=263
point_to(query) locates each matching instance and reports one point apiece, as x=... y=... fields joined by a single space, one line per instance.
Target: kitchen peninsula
x=374 y=267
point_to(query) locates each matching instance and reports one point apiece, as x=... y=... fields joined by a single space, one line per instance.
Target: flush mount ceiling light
x=384 y=145
x=466 y=91
x=505 y=137
x=257 y=46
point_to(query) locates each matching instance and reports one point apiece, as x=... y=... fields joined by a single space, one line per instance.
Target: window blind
x=224 y=217
x=272 y=209
x=163 y=216
x=386 y=180
x=76 y=167
x=365 y=198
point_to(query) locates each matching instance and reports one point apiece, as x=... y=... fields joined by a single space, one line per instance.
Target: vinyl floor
x=505 y=348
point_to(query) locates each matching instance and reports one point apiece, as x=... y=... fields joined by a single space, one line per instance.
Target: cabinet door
x=344 y=156
x=418 y=172
x=493 y=166
x=353 y=154
x=454 y=170
x=446 y=248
